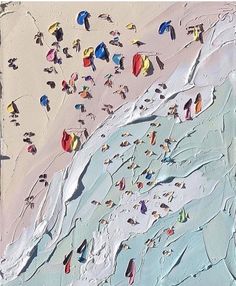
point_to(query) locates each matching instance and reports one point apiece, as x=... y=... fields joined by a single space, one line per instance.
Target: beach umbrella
x=148 y=176
x=137 y=42
x=146 y=65
x=131 y=26
x=88 y=52
x=79 y=106
x=66 y=141
x=183 y=216
x=137 y=64
x=70 y=141
x=101 y=51
x=65 y=85
x=187 y=107
x=73 y=78
x=12 y=108
x=188 y=104
x=67 y=262
x=85 y=92
x=44 y=101
x=51 y=55
x=164 y=27
x=59 y=34
x=130 y=271
x=52 y=28
x=81 y=18
x=32 y=149
x=117 y=58
x=87 y=62
x=74 y=141
x=82 y=251
x=143 y=207
x=198 y=103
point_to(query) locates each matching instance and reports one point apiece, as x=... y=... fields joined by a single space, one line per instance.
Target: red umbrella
x=66 y=141
x=67 y=262
x=87 y=62
x=137 y=64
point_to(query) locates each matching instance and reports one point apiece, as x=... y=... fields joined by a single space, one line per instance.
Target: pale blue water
x=203 y=248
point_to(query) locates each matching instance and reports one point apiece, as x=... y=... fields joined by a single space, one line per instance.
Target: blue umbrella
x=117 y=58
x=44 y=101
x=82 y=17
x=143 y=207
x=148 y=176
x=79 y=106
x=101 y=52
x=165 y=26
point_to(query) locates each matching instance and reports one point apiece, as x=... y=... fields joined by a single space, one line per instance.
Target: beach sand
x=28 y=83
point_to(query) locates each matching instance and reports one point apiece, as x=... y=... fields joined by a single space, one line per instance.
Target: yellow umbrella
x=74 y=141
x=195 y=34
x=52 y=28
x=75 y=42
x=11 y=108
x=131 y=26
x=134 y=41
x=146 y=65
x=88 y=52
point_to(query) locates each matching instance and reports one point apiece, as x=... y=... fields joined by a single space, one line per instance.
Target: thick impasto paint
x=118 y=144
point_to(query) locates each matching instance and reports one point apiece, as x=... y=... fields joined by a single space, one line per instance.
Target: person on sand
x=108 y=108
x=109 y=204
x=108 y=83
x=38 y=38
x=66 y=53
x=132 y=222
x=165 y=148
x=27 y=140
x=50 y=70
x=91 y=115
x=29 y=201
x=89 y=78
x=32 y=149
x=12 y=63
x=76 y=45
x=51 y=84
x=105 y=17
x=86 y=135
x=56 y=45
x=96 y=203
